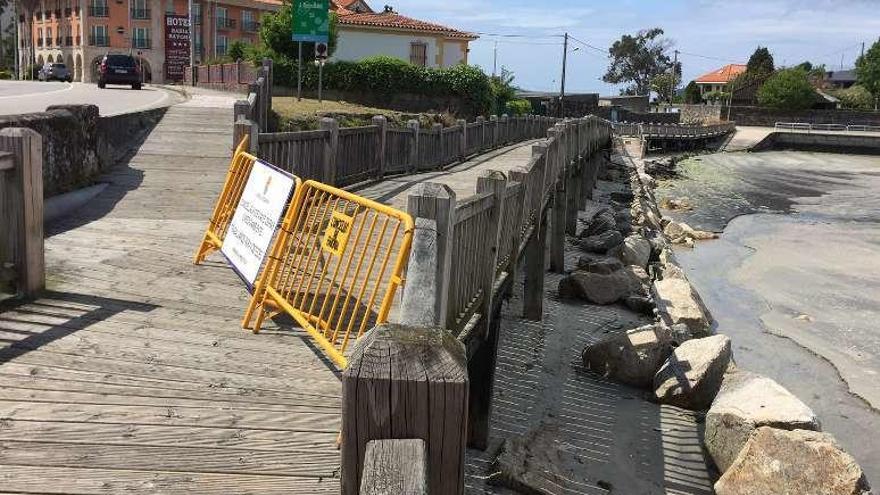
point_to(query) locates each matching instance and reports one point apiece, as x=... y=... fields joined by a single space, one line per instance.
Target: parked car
x=57 y=72
x=119 y=69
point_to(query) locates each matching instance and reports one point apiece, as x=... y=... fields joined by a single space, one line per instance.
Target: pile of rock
x=762 y=438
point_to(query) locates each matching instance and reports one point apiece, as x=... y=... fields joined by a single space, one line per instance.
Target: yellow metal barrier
x=335 y=266
x=233 y=187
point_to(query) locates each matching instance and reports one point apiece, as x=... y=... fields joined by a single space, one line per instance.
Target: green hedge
x=387 y=76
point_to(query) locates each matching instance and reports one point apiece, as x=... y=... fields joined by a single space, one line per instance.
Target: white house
x=364 y=33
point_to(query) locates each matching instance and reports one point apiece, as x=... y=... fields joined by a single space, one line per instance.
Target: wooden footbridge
x=125 y=369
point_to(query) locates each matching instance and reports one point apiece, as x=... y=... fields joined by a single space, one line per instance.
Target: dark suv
x=119 y=69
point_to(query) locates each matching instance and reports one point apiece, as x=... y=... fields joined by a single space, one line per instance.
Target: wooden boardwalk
x=132 y=373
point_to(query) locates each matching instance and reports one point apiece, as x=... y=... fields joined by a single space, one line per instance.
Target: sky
x=709 y=33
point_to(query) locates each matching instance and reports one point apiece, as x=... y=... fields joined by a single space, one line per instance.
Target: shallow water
x=795 y=278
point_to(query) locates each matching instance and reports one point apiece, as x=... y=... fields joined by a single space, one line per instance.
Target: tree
x=663 y=85
x=503 y=90
x=856 y=98
x=868 y=72
x=788 y=89
x=237 y=50
x=760 y=63
x=275 y=34
x=637 y=60
x=692 y=93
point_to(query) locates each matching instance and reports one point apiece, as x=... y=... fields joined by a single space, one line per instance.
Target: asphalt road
x=33 y=96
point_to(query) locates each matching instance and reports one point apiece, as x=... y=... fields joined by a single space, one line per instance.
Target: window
x=39 y=36
x=139 y=9
x=197 y=13
x=98 y=8
x=48 y=36
x=248 y=23
x=418 y=54
x=220 y=49
x=99 y=36
x=169 y=8
x=198 y=41
x=141 y=37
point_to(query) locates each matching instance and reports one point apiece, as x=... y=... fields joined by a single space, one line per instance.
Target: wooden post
x=462 y=150
x=21 y=209
x=495 y=128
x=557 y=221
x=407 y=382
x=533 y=260
x=429 y=300
x=516 y=174
x=269 y=71
x=330 y=145
x=482 y=122
x=414 y=145
x=395 y=467
x=381 y=143
x=437 y=129
x=481 y=367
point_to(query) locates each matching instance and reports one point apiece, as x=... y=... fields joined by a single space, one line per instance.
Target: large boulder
x=677 y=300
x=692 y=375
x=799 y=462
x=601 y=243
x=636 y=250
x=631 y=357
x=599 y=264
x=599 y=288
x=602 y=222
x=746 y=402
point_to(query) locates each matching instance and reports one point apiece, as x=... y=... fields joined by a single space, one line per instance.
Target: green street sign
x=311 y=21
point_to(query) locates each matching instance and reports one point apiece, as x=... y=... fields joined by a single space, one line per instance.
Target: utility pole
x=863 y=49
x=674 y=67
x=562 y=86
x=495 y=60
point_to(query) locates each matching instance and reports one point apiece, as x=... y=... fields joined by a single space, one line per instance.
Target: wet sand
x=795 y=277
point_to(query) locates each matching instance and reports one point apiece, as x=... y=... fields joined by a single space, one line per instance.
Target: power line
x=708 y=57
x=584 y=43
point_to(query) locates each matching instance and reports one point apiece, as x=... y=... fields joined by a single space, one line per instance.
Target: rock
x=601 y=223
x=680 y=333
x=681 y=233
x=792 y=462
x=632 y=357
x=692 y=375
x=600 y=288
x=678 y=301
x=636 y=251
x=642 y=305
x=622 y=196
x=676 y=204
x=745 y=402
x=601 y=243
x=603 y=265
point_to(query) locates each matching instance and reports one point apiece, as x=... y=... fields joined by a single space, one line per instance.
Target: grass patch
x=293 y=115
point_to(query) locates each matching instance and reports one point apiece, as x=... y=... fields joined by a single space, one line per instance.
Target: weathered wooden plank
x=65 y=480
x=395 y=467
x=226 y=460
x=176 y=436
x=302 y=421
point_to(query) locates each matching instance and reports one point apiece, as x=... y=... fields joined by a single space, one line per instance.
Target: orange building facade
x=80 y=32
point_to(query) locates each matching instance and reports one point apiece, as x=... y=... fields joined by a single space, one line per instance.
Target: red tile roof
x=393 y=20
x=722 y=75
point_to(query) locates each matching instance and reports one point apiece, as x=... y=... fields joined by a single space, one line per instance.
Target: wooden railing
x=346 y=156
x=465 y=255
x=21 y=212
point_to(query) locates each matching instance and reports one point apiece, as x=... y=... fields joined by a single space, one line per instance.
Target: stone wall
x=829 y=143
x=617 y=114
x=78 y=144
x=759 y=116
x=699 y=114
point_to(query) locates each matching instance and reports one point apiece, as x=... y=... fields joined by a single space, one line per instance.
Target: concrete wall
x=830 y=143
x=759 y=116
x=354 y=45
x=617 y=114
x=78 y=145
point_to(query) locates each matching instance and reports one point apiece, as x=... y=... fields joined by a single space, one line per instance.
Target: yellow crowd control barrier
x=233 y=187
x=236 y=179
x=335 y=266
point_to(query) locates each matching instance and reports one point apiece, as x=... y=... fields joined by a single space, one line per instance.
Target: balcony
x=225 y=23
x=99 y=11
x=140 y=14
x=142 y=43
x=99 y=40
x=250 y=26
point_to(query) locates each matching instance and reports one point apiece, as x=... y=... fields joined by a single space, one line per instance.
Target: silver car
x=57 y=72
